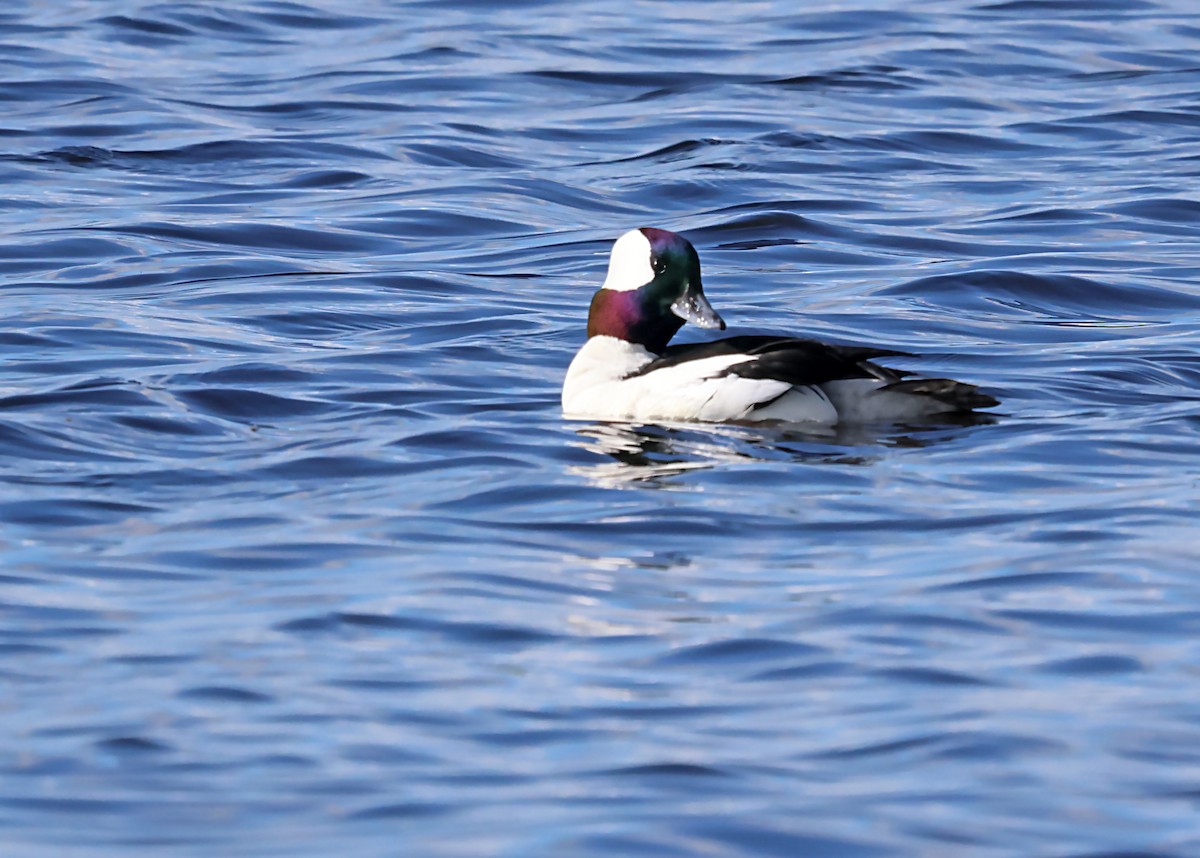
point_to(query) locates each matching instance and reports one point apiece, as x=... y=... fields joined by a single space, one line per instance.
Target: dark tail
x=955 y=394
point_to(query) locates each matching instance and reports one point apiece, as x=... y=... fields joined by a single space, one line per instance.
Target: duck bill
x=694 y=307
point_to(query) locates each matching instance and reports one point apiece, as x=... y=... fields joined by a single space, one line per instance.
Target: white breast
x=598 y=387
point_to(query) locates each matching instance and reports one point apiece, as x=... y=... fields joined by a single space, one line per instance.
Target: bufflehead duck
x=626 y=370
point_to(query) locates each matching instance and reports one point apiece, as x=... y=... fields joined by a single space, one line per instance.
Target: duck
x=626 y=371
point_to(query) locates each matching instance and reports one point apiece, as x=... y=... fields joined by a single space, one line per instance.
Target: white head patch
x=629 y=265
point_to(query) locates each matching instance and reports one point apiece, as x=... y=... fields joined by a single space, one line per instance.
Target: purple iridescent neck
x=626 y=316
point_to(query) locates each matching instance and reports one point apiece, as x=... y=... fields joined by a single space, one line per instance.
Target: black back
x=796 y=361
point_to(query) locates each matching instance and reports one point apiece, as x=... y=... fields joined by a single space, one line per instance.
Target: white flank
x=597 y=387
x=629 y=265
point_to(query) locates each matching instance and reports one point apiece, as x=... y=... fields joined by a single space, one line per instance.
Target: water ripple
x=297 y=540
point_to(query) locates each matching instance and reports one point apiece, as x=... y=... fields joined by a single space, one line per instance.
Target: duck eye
x=658 y=264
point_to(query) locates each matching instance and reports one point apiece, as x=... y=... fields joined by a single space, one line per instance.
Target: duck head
x=653 y=286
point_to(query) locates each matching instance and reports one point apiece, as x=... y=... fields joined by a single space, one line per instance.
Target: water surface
x=300 y=556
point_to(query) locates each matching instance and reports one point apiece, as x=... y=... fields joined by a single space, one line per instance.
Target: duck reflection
x=654 y=454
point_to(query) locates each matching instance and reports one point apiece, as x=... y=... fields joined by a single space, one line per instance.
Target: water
x=300 y=556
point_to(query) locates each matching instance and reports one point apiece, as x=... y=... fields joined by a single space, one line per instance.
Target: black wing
x=789 y=359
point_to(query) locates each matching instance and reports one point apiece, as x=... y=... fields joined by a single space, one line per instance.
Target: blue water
x=300 y=557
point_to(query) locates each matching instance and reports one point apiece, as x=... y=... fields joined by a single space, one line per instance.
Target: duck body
x=626 y=370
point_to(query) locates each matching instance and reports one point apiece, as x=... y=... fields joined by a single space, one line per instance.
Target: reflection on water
x=653 y=453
